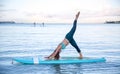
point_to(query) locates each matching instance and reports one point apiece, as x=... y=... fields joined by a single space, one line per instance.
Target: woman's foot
x=81 y=55
x=77 y=15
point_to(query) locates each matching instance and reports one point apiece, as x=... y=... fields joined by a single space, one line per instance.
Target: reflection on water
x=67 y=69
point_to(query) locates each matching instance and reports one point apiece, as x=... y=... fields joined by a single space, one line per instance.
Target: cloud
x=41 y=14
x=7 y=10
x=111 y=12
x=1 y=5
x=102 y=13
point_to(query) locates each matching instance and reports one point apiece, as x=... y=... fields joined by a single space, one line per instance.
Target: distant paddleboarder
x=68 y=39
x=43 y=24
x=34 y=24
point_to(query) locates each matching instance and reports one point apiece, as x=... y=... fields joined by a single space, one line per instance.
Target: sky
x=59 y=11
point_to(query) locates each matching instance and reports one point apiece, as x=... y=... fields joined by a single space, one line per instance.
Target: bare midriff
x=65 y=41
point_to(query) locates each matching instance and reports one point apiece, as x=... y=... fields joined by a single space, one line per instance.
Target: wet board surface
x=63 y=60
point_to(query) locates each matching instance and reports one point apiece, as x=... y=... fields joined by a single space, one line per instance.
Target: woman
x=68 y=39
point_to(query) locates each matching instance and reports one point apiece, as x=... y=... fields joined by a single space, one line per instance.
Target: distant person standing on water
x=43 y=24
x=68 y=39
x=34 y=24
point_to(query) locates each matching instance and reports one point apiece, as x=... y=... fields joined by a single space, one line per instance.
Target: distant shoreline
x=112 y=22
x=7 y=22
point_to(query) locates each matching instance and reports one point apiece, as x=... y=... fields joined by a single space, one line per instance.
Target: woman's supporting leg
x=74 y=44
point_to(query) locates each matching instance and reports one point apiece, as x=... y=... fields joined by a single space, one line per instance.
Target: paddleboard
x=63 y=60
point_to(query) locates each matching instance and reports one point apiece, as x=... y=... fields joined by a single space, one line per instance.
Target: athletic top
x=63 y=45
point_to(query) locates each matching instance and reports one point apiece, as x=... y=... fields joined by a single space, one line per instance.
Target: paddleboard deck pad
x=63 y=60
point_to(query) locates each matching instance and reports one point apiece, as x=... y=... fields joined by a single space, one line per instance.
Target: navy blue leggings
x=69 y=37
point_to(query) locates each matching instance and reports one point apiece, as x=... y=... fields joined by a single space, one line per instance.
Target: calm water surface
x=25 y=40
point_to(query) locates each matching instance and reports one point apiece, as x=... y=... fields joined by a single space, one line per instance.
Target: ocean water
x=27 y=40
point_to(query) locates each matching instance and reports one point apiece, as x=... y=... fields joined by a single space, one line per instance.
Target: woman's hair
x=57 y=56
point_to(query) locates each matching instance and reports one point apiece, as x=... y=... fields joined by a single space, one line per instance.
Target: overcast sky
x=63 y=11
